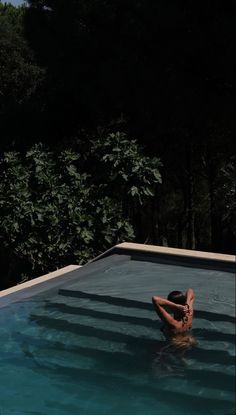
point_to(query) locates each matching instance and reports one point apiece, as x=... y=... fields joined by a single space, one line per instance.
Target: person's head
x=177 y=297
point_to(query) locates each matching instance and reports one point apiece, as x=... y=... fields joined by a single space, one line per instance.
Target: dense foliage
x=20 y=75
x=72 y=74
x=53 y=212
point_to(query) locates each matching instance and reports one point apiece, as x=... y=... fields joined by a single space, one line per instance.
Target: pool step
x=121 y=338
x=139 y=323
x=140 y=305
x=109 y=372
x=86 y=315
x=71 y=344
x=117 y=343
x=123 y=302
x=134 y=364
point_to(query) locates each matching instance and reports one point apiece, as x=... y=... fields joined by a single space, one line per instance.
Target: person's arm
x=190 y=297
x=159 y=304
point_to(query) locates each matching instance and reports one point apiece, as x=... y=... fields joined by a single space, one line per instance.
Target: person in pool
x=176 y=312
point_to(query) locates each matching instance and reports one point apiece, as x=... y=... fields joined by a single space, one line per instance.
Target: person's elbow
x=190 y=293
x=155 y=300
x=190 y=296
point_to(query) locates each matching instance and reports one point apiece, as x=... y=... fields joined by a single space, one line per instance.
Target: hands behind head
x=183 y=308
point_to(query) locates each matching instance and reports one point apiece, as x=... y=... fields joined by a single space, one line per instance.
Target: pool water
x=93 y=345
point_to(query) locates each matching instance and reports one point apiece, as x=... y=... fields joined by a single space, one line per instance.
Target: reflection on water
x=173 y=358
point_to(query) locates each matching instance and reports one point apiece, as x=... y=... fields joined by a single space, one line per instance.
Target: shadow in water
x=89 y=331
x=125 y=387
x=211 y=379
x=126 y=375
x=140 y=321
x=139 y=362
x=124 y=302
x=132 y=342
x=208 y=315
x=210 y=335
x=213 y=335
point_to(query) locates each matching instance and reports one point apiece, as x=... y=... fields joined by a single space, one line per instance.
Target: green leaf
x=134 y=191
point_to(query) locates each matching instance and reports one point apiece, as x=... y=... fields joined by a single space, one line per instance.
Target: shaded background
x=163 y=74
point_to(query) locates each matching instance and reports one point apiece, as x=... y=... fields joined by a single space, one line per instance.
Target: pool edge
x=156 y=249
x=133 y=248
x=39 y=280
x=183 y=257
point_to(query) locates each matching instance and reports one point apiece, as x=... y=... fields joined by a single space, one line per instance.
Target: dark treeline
x=73 y=74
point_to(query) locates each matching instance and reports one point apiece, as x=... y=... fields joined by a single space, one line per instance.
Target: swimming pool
x=89 y=343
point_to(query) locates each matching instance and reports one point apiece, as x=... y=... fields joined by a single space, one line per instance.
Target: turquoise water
x=93 y=345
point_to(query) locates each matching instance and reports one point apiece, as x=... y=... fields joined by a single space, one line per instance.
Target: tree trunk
x=191 y=243
x=215 y=221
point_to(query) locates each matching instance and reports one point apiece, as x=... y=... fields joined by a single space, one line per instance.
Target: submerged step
x=145 y=383
x=124 y=302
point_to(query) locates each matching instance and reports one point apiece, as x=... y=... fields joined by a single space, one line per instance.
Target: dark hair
x=177 y=297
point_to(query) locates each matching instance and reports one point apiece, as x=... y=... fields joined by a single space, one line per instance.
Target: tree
x=163 y=73
x=20 y=76
x=54 y=212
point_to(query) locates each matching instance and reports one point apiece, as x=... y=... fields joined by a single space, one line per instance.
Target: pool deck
x=124 y=248
x=154 y=249
x=39 y=280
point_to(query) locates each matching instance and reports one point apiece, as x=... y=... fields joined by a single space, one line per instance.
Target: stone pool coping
x=128 y=247
x=39 y=280
x=163 y=250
